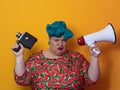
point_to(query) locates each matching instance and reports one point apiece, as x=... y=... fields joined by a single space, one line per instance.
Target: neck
x=51 y=54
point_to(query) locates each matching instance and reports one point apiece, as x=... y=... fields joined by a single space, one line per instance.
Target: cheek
x=65 y=44
x=53 y=44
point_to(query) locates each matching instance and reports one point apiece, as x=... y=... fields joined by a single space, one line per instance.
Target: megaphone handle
x=92 y=44
x=97 y=52
x=17 y=49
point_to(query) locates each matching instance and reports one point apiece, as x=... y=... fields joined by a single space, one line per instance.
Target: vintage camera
x=26 y=39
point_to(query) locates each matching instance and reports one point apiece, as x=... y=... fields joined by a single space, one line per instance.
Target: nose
x=61 y=43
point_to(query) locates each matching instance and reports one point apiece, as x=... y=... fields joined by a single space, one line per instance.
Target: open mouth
x=60 y=48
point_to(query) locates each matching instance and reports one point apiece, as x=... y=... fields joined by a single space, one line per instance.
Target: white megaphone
x=105 y=35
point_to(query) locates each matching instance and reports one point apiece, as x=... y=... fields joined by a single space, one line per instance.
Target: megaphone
x=105 y=35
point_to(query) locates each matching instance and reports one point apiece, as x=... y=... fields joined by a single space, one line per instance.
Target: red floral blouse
x=70 y=72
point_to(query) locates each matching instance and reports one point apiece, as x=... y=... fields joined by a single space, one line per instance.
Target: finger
x=21 y=45
x=97 y=52
x=15 y=46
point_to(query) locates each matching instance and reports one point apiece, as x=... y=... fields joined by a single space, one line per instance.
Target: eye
x=64 y=40
x=56 y=40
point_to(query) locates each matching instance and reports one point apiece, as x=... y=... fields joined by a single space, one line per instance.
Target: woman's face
x=58 y=45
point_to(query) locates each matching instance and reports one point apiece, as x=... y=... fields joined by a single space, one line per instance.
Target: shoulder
x=74 y=53
x=36 y=55
x=77 y=55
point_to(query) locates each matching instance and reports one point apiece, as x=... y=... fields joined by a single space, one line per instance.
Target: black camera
x=26 y=39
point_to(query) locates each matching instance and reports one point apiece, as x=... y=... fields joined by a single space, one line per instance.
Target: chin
x=60 y=53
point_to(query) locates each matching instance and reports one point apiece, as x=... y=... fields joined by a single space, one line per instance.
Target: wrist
x=94 y=57
x=19 y=57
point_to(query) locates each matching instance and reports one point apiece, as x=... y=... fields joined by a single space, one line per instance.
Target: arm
x=22 y=72
x=94 y=69
x=19 y=66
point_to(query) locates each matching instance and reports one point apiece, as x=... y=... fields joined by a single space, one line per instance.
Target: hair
x=57 y=29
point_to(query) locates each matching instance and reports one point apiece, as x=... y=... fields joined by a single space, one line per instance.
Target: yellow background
x=81 y=16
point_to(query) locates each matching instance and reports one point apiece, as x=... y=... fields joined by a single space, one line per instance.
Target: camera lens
x=18 y=35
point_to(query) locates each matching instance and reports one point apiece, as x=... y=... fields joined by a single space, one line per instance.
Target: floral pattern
x=70 y=72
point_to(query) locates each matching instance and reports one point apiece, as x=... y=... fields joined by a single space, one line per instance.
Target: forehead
x=53 y=37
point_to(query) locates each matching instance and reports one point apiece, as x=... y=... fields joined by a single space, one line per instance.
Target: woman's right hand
x=20 y=52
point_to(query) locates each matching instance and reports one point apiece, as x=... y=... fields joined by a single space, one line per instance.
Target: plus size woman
x=57 y=68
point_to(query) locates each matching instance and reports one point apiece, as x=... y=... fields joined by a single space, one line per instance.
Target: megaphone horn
x=105 y=35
